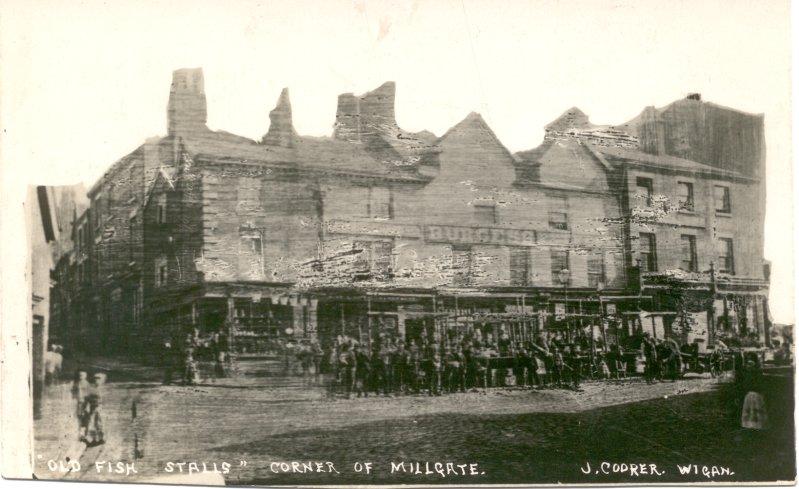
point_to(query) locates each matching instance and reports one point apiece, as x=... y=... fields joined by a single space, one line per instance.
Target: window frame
x=519 y=276
x=602 y=275
x=726 y=198
x=483 y=206
x=371 y=203
x=728 y=259
x=649 y=258
x=649 y=185
x=464 y=276
x=689 y=205
x=690 y=240
x=553 y=252
x=160 y=208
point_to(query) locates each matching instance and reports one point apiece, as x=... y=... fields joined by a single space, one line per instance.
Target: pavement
x=156 y=427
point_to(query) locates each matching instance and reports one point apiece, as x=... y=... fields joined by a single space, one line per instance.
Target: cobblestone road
x=152 y=425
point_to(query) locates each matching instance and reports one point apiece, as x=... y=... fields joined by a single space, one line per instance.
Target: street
x=512 y=435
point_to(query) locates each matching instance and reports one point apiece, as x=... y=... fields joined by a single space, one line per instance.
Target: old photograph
x=382 y=243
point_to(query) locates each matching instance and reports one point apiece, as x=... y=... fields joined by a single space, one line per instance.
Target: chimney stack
x=369 y=114
x=187 y=111
x=281 y=128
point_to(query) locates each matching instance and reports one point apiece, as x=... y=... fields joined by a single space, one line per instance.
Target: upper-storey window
x=374 y=260
x=519 y=266
x=685 y=195
x=688 y=252
x=559 y=265
x=726 y=257
x=97 y=209
x=558 y=213
x=485 y=213
x=721 y=196
x=596 y=269
x=648 y=252
x=381 y=203
x=160 y=209
x=462 y=264
x=645 y=187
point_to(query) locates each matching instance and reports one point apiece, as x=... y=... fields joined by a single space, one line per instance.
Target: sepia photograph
x=345 y=243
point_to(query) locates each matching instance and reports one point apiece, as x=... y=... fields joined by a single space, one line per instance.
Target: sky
x=86 y=82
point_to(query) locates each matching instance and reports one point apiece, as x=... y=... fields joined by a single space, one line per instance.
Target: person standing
x=434 y=370
x=400 y=361
x=346 y=363
x=94 y=419
x=362 y=368
x=80 y=389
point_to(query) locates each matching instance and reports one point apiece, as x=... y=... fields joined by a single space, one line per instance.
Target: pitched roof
x=661 y=161
x=317 y=153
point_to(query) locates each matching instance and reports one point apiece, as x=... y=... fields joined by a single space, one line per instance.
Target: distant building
x=597 y=232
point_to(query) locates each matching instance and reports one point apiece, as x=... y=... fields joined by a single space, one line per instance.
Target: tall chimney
x=187 y=111
x=281 y=129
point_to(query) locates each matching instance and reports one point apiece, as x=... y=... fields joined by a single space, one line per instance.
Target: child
x=80 y=389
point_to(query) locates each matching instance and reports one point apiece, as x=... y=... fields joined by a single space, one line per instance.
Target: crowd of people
x=180 y=358
x=467 y=360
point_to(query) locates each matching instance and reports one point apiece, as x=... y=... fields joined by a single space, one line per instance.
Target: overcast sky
x=85 y=82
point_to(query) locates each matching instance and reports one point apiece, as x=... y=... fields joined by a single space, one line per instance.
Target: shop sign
x=480 y=235
x=518 y=309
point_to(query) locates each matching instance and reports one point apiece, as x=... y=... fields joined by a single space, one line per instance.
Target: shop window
x=596 y=269
x=689 y=253
x=648 y=252
x=726 y=257
x=462 y=262
x=519 y=266
x=645 y=187
x=560 y=267
x=721 y=195
x=685 y=196
x=485 y=214
x=558 y=213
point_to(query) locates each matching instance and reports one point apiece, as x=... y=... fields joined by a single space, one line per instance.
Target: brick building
x=377 y=230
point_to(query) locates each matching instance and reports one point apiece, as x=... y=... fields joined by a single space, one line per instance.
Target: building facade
x=378 y=231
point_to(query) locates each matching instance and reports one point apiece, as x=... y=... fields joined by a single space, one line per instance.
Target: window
x=160 y=209
x=558 y=213
x=560 y=267
x=97 y=211
x=648 y=251
x=374 y=260
x=160 y=272
x=462 y=261
x=81 y=240
x=519 y=266
x=485 y=213
x=596 y=269
x=381 y=203
x=721 y=196
x=645 y=189
x=726 y=258
x=689 y=253
x=685 y=195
